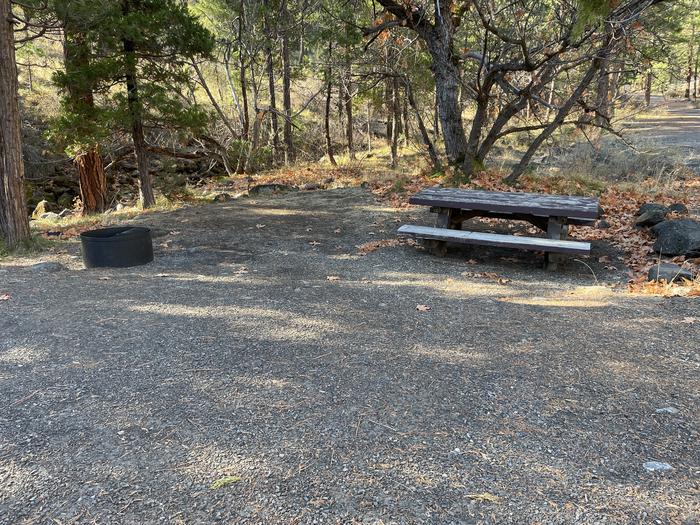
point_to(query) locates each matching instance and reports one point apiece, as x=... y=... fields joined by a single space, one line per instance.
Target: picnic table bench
x=550 y=213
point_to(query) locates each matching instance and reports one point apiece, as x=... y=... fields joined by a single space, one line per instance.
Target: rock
x=50 y=216
x=667 y=410
x=222 y=197
x=65 y=200
x=657 y=466
x=40 y=209
x=650 y=218
x=266 y=189
x=66 y=213
x=48 y=266
x=119 y=207
x=602 y=224
x=328 y=180
x=669 y=272
x=310 y=186
x=651 y=206
x=679 y=207
x=680 y=237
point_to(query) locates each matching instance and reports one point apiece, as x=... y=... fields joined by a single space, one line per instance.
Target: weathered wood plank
x=494 y=239
x=577 y=208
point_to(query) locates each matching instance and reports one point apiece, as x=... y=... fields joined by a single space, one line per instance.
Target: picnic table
x=550 y=213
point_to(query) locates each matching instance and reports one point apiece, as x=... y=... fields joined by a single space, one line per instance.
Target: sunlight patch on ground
x=21 y=355
x=14 y=479
x=283 y=212
x=579 y=297
x=451 y=355
x=279 y=324
x=447 y=286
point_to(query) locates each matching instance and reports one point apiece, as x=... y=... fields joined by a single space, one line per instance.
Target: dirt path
x=260 y=344
x=675 y=125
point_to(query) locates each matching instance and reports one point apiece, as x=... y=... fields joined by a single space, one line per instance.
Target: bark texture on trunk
x=93 y=182
x=14 y=221
x=447 y=81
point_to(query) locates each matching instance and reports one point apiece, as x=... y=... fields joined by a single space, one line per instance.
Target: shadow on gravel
x=129 y=392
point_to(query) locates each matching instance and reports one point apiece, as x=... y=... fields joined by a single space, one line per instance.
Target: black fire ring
x=118 y=247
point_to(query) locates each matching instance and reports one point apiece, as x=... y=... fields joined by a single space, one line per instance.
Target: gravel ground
x=261 y=345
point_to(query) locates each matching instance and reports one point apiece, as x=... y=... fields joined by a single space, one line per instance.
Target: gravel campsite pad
x=264 y=369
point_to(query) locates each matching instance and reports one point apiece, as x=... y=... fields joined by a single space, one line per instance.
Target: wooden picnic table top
x=536 y=204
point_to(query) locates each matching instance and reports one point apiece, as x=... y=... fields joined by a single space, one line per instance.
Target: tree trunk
x=395 y=119
x=146 y=196
x=689 y=75
x=286 y=90
x=602 y=117
x=437 y=166
x=349 y=123
x=447 y=81
x=405 y=125
x=369 y=128
x=88 y=162
x=436 y=119
x=14 y=223
x=242 y=66
x=271 y=85
x=93 y=182
x=388 y=101
x=647 y=88
x=327 y=114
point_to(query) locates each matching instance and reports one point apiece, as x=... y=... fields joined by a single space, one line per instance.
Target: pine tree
x=137 y=67
x=14 y=224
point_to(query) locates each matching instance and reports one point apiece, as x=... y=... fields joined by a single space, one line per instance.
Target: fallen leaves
x=224 y=482
x=487 y=275
x=484 y=497
x=373 y=246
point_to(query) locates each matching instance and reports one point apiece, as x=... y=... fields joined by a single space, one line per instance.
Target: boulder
x=222 y=197
x=651 y=217
x=679 y=207
x=48 y=266
x=266 y=189
x=310 y=186
x=40 y=209
x=602 y=224
x=66 y=213
x=651 y=206
x=49 y=215
x=680 y=237
x=669 y=272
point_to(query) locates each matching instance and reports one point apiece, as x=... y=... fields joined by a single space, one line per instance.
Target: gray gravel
x=126 y=393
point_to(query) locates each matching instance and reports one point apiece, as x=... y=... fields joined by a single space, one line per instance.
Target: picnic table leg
x=556 y=229
x=445 y=219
